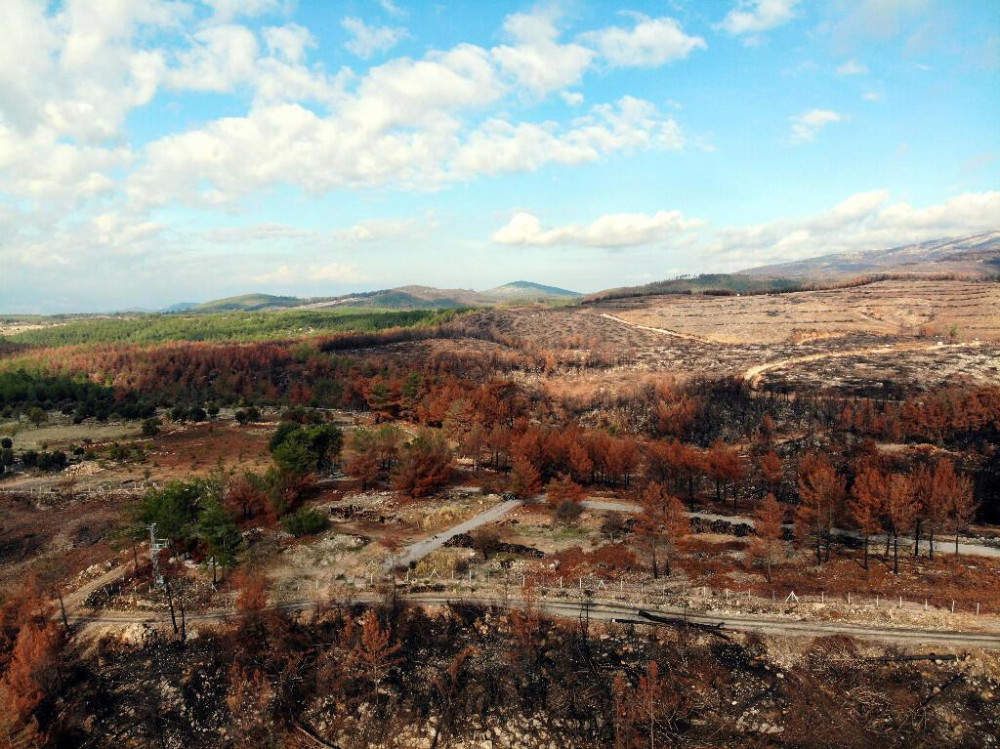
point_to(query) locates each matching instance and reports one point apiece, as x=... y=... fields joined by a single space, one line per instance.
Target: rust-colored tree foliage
x=33 y=673
x=662 y=523
x=768 y=522
x=374 y=651
x=821 y=492
x=866 y=505
x=900 y=510
x=425 y=465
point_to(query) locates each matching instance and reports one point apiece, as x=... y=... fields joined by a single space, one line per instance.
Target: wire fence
x=670 y=593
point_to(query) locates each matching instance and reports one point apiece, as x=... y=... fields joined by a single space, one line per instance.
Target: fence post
x=876 y=600
x=822 y=596
x=848 y=599
x=977 y=609
x=953 y=605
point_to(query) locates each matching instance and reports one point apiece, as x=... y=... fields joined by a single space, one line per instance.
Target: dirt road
x=610 y=611
x=422 y=548
x=941 y=546
x=663 y=331
x=752 y=375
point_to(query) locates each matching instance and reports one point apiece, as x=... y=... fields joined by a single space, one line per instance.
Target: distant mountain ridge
x=974 y=255
x=400 y=298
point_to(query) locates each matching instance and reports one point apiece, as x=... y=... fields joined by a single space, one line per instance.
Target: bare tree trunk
x=916 y=541
x=170 y=602
x=931 y=543
x=866 y=552
x=62 y=610
x=895 y=553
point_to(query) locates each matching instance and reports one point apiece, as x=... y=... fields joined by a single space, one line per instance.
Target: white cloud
x=289 y=42
x=536 y=59
x=391 y=8
x=382 y=229
x=864 y=221
x=368 y=40
x=630 y=125
x=221 y=58
x=312 y=273
x=612 y=230
x=873 y=96
x=573 y=98
x=401 y=128
x=757 y=16
x=649 y=43
x=852 y=67
x=807 y=125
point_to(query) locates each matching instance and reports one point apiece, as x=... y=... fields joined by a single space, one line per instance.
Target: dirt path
x=664 y=331
x=610 y=611
x=752 y=375
x=941 y=546
x=422 y=548
x=75 y=600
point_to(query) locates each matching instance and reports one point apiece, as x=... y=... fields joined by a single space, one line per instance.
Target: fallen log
x=899 y=658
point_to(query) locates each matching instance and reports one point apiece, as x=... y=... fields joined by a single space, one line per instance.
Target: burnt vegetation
x=825 y=491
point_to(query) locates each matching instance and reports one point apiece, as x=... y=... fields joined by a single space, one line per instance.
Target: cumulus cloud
x=806 y=126
x=852 y=67
x=612 y=230
x=868 y=220
x=221 y=58
x=289 y=42
x=864 y=221
x=757 y=16
x=368 y=40
x=649 y=43
x=536 y=59
x=629 y=125
x=386 y=136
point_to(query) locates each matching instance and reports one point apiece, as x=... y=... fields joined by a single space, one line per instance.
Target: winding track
x=752 y=375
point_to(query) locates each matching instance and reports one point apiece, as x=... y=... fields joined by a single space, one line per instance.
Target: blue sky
x=156 y=151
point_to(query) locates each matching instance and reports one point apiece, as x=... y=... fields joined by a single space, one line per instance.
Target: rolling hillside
x=400 y=298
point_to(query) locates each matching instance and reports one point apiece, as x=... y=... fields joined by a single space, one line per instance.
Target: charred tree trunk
x=170 y=603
